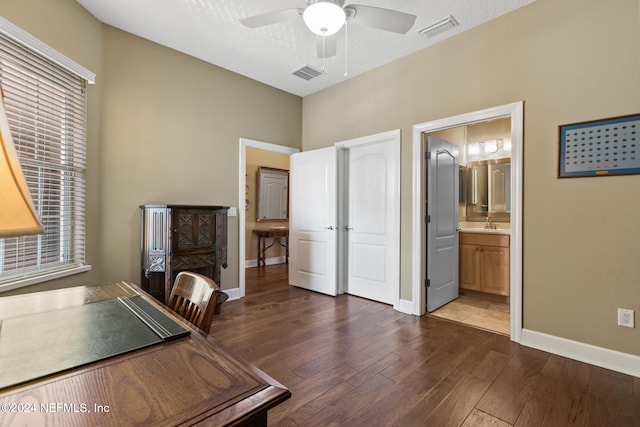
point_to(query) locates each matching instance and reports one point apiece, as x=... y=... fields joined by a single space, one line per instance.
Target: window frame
x=75 y=233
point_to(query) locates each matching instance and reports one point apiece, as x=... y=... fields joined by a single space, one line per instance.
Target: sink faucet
x=489 y=223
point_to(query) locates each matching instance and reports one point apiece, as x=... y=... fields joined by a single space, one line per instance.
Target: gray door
x=442 y=227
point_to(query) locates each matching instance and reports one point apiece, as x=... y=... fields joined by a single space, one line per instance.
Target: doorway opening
x=478 y=310
x=483 y=224
x=514 y=113
x=271 y=153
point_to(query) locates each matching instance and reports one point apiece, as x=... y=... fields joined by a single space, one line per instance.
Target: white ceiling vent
x=438 y=27
x=307 y=72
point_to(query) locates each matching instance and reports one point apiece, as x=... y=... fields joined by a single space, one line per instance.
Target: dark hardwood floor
x=353 y=362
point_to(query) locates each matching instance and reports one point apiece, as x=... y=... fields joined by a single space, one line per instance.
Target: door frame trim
x=245 y=143
x=516 y=112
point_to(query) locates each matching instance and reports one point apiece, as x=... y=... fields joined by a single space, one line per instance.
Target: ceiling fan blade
x=382 y=19
x=330 y=44
x=271 y=18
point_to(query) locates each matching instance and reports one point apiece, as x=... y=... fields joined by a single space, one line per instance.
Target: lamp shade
x=324 y=18
x=17 y=214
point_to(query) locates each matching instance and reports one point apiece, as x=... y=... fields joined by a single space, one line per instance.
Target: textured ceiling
x=210 y=30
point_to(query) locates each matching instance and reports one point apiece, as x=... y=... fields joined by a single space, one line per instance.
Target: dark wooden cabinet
x=177 y=238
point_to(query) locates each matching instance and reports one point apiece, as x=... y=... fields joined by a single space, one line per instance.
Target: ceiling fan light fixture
x=324 y=18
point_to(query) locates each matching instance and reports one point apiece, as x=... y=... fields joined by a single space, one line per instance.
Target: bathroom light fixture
x=490 y=146
x=506 y=144
x=473 y=149
x=17 y=214
x=324 y=18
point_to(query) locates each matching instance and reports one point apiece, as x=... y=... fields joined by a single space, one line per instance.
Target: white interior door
x=373 y=218
x=312 y=220
x=442 y=227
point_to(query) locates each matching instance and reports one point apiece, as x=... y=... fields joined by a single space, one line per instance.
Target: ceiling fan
x=326 y=17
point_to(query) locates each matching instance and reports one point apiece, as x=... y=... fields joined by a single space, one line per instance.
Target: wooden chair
x=194 y=297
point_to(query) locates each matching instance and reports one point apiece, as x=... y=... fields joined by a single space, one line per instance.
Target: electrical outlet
x=625 y=318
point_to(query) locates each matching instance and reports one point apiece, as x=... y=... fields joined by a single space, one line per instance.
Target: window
x=45 y=105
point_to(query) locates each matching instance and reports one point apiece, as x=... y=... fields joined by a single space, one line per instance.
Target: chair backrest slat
x=194 y=297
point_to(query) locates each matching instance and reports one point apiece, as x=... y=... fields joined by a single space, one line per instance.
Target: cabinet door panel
x=193 y=230
x=469 y=274
x=495 y=263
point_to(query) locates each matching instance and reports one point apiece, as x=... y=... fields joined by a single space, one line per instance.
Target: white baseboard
x=404 y=306
x=269 y=261
x=233 y=293
x=610 y=359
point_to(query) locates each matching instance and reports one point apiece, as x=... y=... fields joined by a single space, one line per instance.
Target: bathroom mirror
x=272 y=194
x=488 y=189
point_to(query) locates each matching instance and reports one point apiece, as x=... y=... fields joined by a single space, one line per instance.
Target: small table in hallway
x=275 y=233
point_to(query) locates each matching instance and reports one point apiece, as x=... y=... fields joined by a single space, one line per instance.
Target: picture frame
x=604 y=147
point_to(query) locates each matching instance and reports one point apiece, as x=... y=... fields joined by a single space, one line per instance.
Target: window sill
x=43 y=278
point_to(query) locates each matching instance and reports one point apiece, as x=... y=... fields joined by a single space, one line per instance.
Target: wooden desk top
x=189 y=380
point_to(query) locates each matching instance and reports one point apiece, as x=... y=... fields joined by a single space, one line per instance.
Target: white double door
x=345 y=218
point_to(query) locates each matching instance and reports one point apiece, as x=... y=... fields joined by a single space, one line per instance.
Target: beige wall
x=494 y=129
x=171 y=128
x=255 y=158
x=569 y=61
x=163 y=128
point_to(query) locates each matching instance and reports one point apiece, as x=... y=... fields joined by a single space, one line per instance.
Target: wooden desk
x=276 y=234
x=185 y=381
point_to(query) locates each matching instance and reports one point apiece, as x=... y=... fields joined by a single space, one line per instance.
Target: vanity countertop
x=478 y=227
x=486 y=231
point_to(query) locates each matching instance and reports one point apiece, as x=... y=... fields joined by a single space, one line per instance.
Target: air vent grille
x=307 y=72
x=438 y=27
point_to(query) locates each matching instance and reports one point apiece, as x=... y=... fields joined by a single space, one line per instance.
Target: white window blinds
x=45 y=107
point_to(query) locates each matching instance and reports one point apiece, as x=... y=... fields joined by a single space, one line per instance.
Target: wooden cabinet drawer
x=484 y=239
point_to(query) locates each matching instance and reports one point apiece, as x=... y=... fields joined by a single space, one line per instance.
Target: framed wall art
x=603 y=147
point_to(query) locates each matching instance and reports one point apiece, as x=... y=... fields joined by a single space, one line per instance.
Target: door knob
x=329 y=227
x=346 y=227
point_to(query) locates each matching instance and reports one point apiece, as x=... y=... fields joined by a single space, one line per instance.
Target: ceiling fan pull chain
x=346 y=46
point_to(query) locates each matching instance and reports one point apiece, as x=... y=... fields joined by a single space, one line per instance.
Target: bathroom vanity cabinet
x=484 y=262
